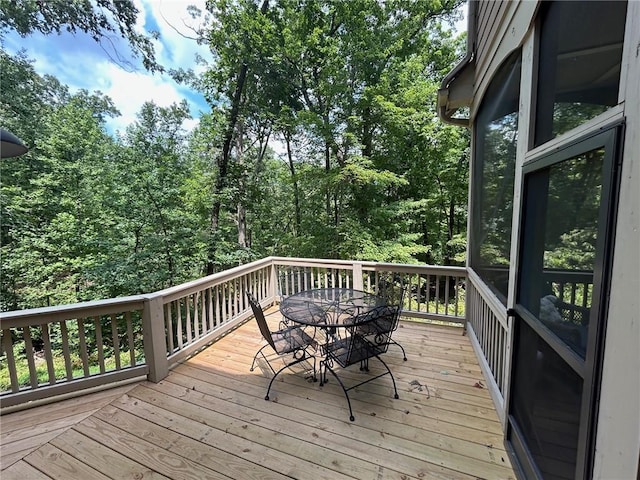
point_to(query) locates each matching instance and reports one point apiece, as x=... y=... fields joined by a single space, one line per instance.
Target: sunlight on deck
x=209 y=419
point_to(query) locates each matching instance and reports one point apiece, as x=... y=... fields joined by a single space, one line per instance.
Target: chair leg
x=315 y=376
x=253 y=364
x=395 y=389
x=323 y=376
x=287 y=366
x=404 y=354
x=351 y=417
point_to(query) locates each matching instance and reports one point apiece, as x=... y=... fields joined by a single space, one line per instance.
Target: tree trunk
x=296 y=193
x=241 y=213
x=223 y=160
x=327 y=167
x=242 y=225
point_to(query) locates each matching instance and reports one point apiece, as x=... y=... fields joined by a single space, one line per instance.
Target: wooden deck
x=208 y=419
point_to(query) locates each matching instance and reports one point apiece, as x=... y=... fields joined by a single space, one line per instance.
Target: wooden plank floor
x=208 y=419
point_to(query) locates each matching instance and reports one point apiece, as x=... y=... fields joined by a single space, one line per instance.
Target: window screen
x=493 y=176
x=579 y=63
x=563 y=205
x=546 y=403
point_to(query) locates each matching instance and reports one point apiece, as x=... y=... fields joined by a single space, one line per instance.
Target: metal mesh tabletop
x=329 y=307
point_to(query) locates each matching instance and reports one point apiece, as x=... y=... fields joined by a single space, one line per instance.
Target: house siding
x=500 y=28
x=618 y=430
x=488 y=18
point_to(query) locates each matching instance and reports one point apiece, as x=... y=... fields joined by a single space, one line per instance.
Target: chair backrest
x=391 y=289
x=262 y=322
x=357 y=350
x=378 y=325
x=292 y=279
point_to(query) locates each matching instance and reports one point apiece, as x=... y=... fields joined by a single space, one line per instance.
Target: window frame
x=477 y=184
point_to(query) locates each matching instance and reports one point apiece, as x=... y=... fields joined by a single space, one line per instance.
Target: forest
x=322 y=140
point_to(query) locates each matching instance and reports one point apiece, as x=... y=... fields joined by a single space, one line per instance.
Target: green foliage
x=347 y=89
x=59 y=366
x=351 y=88
x=576 y=251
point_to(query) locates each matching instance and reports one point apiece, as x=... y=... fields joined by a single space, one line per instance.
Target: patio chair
x=358 y=347
x=393 y=292
x=293 y=340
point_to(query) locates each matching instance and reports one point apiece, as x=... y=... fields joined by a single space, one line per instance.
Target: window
x=493 y=177
x=560 y=242
x=579 y=63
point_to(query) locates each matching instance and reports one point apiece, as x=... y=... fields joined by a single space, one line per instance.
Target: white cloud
x=177 y=45
x=77 y=61
x=129 y=91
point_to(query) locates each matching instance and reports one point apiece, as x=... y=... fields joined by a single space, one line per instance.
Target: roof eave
x=456 y=89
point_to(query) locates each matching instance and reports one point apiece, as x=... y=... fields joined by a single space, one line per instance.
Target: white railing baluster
x=116 y=340
x=82 y=340
x=218 y=307
x=187 y=316
x=130 y=341
x=168 y=325
x=65 y=350
x=99 y=343
x=210 y=309
x=179 y=323
x=48 y=353
x=7 y=346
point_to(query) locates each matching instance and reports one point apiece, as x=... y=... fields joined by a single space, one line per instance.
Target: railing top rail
x=366 y=265
x=84 y=309
x=411 y=268
x=577 y=276
x=173 y=293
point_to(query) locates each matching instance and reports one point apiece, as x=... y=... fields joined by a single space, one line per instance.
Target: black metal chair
x=293 y=340
x=393 y=292
x=362 y=343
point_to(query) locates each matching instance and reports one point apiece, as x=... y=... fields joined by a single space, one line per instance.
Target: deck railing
x=491 y=330
x=53 y=351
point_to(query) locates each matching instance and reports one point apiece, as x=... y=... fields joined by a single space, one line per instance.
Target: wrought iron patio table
x=329 y=308
x=336 y=309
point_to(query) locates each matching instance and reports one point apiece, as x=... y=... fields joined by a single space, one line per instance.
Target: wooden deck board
x=209 y=419
x=23 y=471
x=60 y=465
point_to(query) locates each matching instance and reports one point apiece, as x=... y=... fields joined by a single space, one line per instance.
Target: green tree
x=152 y=238
x=53 y=218
x=317 y=73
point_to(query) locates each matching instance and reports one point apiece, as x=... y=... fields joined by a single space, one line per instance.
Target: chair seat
x=383 y=323
x=361 y=349
x=290 y=339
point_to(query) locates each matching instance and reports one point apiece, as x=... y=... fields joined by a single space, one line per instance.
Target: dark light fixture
x=10 y=145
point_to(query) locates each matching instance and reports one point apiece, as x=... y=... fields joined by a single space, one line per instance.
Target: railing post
x=357 y=275
x=155 y=343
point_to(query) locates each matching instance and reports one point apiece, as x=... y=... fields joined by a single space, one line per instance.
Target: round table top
x=329 y=307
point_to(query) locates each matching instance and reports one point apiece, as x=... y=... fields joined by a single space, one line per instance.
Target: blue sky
x=78 y=61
